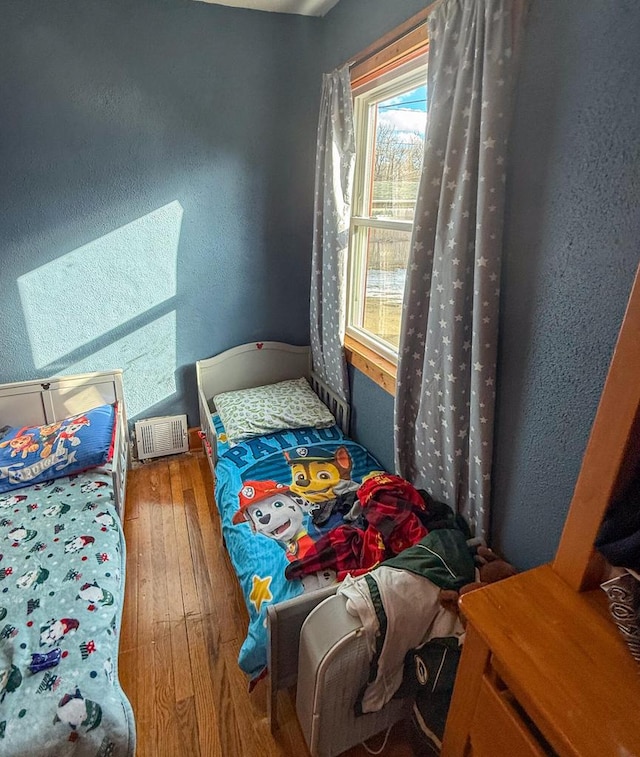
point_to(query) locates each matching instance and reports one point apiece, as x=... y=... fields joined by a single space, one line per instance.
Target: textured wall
x=571 y=248
x=372 y=417
x=352 y=25
x=156 y=180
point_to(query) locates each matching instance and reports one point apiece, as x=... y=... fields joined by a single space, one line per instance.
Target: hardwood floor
x=184 y=621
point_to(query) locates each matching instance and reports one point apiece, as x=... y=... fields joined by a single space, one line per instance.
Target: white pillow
x=246 y=413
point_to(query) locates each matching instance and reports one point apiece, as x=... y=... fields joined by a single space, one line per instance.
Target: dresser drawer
x=497 y=730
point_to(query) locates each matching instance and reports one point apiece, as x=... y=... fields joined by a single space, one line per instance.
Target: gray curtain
x=335 y=159
x=447 y=359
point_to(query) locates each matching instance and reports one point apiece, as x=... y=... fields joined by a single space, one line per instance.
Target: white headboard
x=250 y=365
x=257 y=364
x=34 y=403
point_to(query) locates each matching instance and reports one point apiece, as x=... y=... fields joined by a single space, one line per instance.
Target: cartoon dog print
x=272 y=510
x=21 y=445
x=321 y=476
x=68 y=433
x=48 y=437
x=318 y=475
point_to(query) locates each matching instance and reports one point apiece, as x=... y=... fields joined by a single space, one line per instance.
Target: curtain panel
x=335 y=159
x=448 y=344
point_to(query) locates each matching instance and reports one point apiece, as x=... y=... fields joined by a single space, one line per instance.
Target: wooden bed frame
x=42 y=401
x=243 y=367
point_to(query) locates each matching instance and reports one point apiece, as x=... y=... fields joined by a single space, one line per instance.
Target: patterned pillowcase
x=264 y=409
x=32 y=454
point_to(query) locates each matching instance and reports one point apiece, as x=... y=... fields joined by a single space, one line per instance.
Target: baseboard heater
x=156 y=437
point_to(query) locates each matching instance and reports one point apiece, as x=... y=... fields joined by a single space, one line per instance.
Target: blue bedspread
x=62 y=561
x=276 y=494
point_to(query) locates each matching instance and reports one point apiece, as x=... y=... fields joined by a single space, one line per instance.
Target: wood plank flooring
x=184 y=621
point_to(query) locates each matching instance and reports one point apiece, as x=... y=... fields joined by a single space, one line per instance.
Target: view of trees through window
x=395 y=174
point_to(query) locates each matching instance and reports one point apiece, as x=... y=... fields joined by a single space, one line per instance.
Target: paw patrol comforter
x=62 y=563
x=278 y=495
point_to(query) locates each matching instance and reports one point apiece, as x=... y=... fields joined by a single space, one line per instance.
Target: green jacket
x=442 y=556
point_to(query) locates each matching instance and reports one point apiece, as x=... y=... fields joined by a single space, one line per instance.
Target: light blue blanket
x=62 y=560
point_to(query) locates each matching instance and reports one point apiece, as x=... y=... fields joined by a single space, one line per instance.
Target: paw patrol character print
x=48 y=437
x=78 y=712
x=68 y=433
x=55 y=630
x=76 y=543
x=272 y=510
x=318 y=474
x=321 y=476
x=22 y=445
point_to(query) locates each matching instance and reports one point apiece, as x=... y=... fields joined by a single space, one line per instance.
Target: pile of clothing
x=395 y=551
x=386 y=516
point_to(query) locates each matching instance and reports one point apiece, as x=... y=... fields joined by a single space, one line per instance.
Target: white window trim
x=401 y=78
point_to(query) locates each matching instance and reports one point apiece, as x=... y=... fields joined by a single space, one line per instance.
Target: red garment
x=390 y=485
x=392 y=505
x=392 y=508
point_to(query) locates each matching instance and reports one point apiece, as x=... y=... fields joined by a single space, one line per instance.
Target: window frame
x=384 y=58
x=400 y=78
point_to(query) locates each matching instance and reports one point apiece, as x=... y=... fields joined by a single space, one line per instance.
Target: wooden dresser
x=544 y=670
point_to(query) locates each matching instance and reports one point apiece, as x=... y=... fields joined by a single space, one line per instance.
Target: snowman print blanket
x=61 y=592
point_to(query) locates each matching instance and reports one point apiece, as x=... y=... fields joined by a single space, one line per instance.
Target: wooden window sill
x=377 y=368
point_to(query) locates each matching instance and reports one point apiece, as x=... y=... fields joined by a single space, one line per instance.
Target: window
x=390 y=114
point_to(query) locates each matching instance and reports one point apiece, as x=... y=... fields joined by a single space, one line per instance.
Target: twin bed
x=63 y=468
x=284 y=490
x=257 y=480
x=62 y=550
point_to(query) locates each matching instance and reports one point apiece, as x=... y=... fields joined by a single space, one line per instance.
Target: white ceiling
x=302 y=7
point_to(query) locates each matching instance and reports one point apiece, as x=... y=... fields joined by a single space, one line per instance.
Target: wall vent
x=167 y=435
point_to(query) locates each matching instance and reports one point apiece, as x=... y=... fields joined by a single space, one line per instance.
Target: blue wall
x=175 y=141
x=372 y=417
x=155 y=209
x=571 y=248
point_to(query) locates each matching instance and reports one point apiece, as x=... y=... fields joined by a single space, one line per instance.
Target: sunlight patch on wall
x=100 y=286
x=148 y=358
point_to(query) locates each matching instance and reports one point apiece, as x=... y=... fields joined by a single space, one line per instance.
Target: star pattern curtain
x=448 y=344
x=335 y=158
